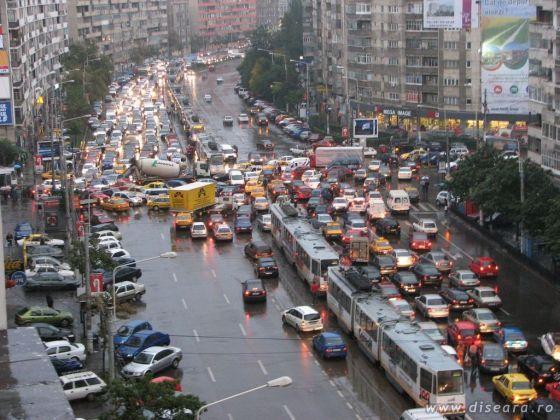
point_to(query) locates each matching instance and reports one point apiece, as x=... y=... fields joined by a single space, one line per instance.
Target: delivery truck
x=193 y=197
x=358 y=250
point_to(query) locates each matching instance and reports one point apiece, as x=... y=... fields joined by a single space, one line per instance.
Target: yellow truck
x=193 y=197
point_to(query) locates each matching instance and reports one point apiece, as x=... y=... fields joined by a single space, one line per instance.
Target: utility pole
x=88 y=320
x=3 y=311
x=485 y=109
x=522 y=196
x=446 y=141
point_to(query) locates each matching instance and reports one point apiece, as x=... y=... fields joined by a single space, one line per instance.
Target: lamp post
x=170 y=254
x=275 y=383
x=306 y=64
x=346 y=95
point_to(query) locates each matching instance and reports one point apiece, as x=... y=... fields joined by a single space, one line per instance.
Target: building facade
x=178 y=25
x=36 y=36
x=270 y=13
x=118 y=26
x=544 y=92
x=219 y=21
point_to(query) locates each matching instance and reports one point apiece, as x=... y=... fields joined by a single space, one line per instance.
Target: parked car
x=152 y=360
x=51 y=281
x=33 y=314
x=62 y=349
x=141 y=340
x=82 y=385
x=48 y=332
x=65 y=366
x=128 y=329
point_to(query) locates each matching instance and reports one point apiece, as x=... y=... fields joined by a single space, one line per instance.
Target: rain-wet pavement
x=230 y=346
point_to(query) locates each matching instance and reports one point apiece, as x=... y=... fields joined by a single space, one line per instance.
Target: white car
x=228 y=120
x=358 y=205
x=340 y=204
x=404 y=174
x=117 y=252
x=48 y=268
x=306 y=175
x=81 y=385
x=485 y=297
x=128 y=290
x=46 y=260
x=108 y=243
x=369 y=152
x=550 y=343
x=238 y=199
x=349 y=193
x=374 y=165
x=463 y=279
x=403 y=257
x=62 y=349
x=443 y=197
x=152 y=360
x=303 y=318
x=313 y=182
x=31 y=241
x=106 y=234
x=324 y=218
x=242 y=119
x=132 y=198
x=207 y=98
x=427 y=226
x=298 y=150
x=432 y=306
x=198 y=230
x=402 y=307
x=260 y=204
x=228 y=151
x=431 y=329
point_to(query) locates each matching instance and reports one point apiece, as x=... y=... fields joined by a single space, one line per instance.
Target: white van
x=297 y=162
x=398 y=201
x=376 y=208
x=420 y=414
x=236 y=177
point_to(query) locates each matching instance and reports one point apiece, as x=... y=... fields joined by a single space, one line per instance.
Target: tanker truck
x=155 y=168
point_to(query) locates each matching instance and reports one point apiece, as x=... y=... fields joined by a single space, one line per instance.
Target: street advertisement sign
x=5 y=91
x=19 y=277
x=505 y=55
x=6 y=112
x=365 y=127
x=443 y=14
x=96 y=282
x=4 y=62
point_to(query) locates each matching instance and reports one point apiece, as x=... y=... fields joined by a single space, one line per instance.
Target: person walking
x=10 y=239
x=473 y=355
x=50 y=302
x=314 y=290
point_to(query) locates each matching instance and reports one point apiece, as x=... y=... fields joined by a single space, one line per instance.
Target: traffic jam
x=344 y=217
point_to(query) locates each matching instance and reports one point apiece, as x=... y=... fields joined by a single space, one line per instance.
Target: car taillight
x=247 y=293
x=481 y=268
x=455 y=301
x=414 y=244
x=470 y=300
x=459 y=337
x=482 y=361
x=264 y=292
x=344 y=348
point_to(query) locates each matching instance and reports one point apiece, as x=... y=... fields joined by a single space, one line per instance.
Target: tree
x=141 y=52
x=551 y=235
x=540 y=193
x=98 y=258
x=132 y=400
x=9 y=152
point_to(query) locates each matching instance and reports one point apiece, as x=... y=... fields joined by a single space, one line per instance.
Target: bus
x=302 y=245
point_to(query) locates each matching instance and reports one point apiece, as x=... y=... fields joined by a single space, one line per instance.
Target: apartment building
x=118 y=26
x=35 y=35
x=544 y=92
x=223 y=20
x=270 y=13
x=178 y=25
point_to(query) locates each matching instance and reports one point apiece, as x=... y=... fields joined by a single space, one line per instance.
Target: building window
x=413 y=25
x=393 y=96
x=468 y=64
x=450 y=45
x=363 y=9
x=468 y=101
x=393 y=9
x=468 y=46
x=393 y=27
x=450 y=82
x=451 y=64
x=413 y=61
x=415 y=8
x=363 y=59
x=451 y=100
x=429 y=61
x=393 y=44
x=468 y=82
x=413 y=79
x=393 y=80
x=393 y=61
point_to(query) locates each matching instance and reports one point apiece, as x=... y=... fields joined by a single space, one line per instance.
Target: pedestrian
x=446 y=207
x=460 y=353
x=50 y=302
x=10 y=238
x=314 y=290
x=473 y=355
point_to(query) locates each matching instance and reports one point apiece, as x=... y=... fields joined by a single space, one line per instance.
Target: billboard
x=505 y=55
x=6 y=112
x=4 y=62
x=365 y=127
x=443 y=14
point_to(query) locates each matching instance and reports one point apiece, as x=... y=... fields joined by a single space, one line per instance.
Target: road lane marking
x=349 y=406
x=175 y=277
x=414 y=207
x=316 y=362
x=358 y=416
x=467 y=417
x=332 y=383
x=277 y=307
x=505 y=312
x=226 y=298
x=211 y=374
x=213 y=273
x=423 y=206
x=340 y=394
x=242 y=330
x=288 y=412
x=162 y=237
x=184 y=304
x=229 y=416
x=196 y=337
x=432 y=207
x=264 y=371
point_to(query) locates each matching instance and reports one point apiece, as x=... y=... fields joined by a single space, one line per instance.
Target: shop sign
x=406 y=113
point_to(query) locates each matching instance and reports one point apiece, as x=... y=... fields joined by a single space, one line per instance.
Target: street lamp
x=346 y=95
x=300 y=61
x=169 y=254
x=275 y=383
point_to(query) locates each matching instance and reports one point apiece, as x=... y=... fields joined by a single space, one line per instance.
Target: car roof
x=306 y=310
x=157 y=349
x=57 y=343
x=78 y=375
x=134 y=323
x=144 y=333
x=432 y=296
x=516 y=377
x=465 y=325
x=484 y=288
x=330 y=334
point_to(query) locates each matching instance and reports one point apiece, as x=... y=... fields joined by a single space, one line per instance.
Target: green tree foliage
x=97 y=258
x=141 y=52
x=133 y=400
x=9 y=152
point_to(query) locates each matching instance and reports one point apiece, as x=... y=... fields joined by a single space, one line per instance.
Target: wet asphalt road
x=229 y=347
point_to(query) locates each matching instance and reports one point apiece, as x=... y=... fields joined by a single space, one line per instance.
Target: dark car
x=330 y=345
x=48 y=332
x=302 y=193
x=542 y=409
x=386 y=264
x=129 y=328
x=125 y=273
x=243 y=225
x=387 y=226
x=65 y=366
x=104 y=226
x=371 y=273
x=214 y=219
x=253 y=291
x=457 y=299
x=258 y=249
x=312 y=204
x=22 y=230
x=262 y=120
x=244 y=211
x=265 y=144
x=387 y=290
x=128 y=261
x=407 y=282
x=140 y=341
x=492 y=358
x=266 y=267
x=540 y=369
x=428 y=274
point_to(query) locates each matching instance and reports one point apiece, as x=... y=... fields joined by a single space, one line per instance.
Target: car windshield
x=198 y=227
x=450 y=382
x=487 y=293
x=144 y=358
x=123 y=331
x=430 y=225
x=223 y=230
x=468 y=276
x=467 y=333
x=486 y=316
x=325 y=264
x=435 y=301
x=312 y=317
x=493 y=353
x=334 y=341
x=515 y=336
x=383 y=243
x=521 y=386
x=134 y=342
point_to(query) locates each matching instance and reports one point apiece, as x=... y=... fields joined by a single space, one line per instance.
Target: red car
x=352 y=233
x=418 y=241
x=462 y=332
x=302 y=192
x=553 y=389
x=484 y=267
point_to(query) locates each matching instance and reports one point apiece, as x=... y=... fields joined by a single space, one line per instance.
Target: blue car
x=140 y=341
x=330 y=345
x=131 y=327
x=243 y=225
x=512 y=339
x=64 y=366
x=22 y=230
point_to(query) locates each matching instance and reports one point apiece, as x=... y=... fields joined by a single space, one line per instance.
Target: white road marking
x=226 y=298
x=423 y=206
x=175 y=277
x=467 y=417
x=340 y=394
x=332 y=383
x=432 y=207
x=316 y=362
x=211 y=374
x=288 y=412
x=213 y=273
x=453 y=257
x=277 y=306
x=505 y=312
x=242 y=330
x=349 y=406
x=414 y=207
x=264 y=371
x=358 y=416
x=184 y=304
x=162 y=237
x=229 y=416
x=460 y=249
x=196 y=336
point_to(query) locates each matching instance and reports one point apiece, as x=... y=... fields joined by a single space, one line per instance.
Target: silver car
x=463 y=279
x=484 y=319
x=152 y=360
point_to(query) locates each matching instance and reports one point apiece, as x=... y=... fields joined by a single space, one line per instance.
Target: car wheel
x=77 y=359
x=175 y=363
x=284 y=320
x=64 y=323
x=298 y=328
x=148 y=373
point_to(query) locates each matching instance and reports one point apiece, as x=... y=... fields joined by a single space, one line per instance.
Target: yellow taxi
x=414 y=154
x=119 y=169
x=183 y=220
x=258 y=192
x=274 y=183
x=514 y=387
x=159 y=202
x=57 y=175
x=332 y=230
x=154 y=184
x=243 y=166
x=380 y=246
x=197 y=128
x=251 y=185
x=115 y=204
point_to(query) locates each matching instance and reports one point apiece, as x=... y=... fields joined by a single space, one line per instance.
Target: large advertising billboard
x=443 y=14
x=365 y=127
x=505 y=55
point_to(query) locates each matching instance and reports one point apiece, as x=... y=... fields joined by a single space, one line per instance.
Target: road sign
x=19 y=277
